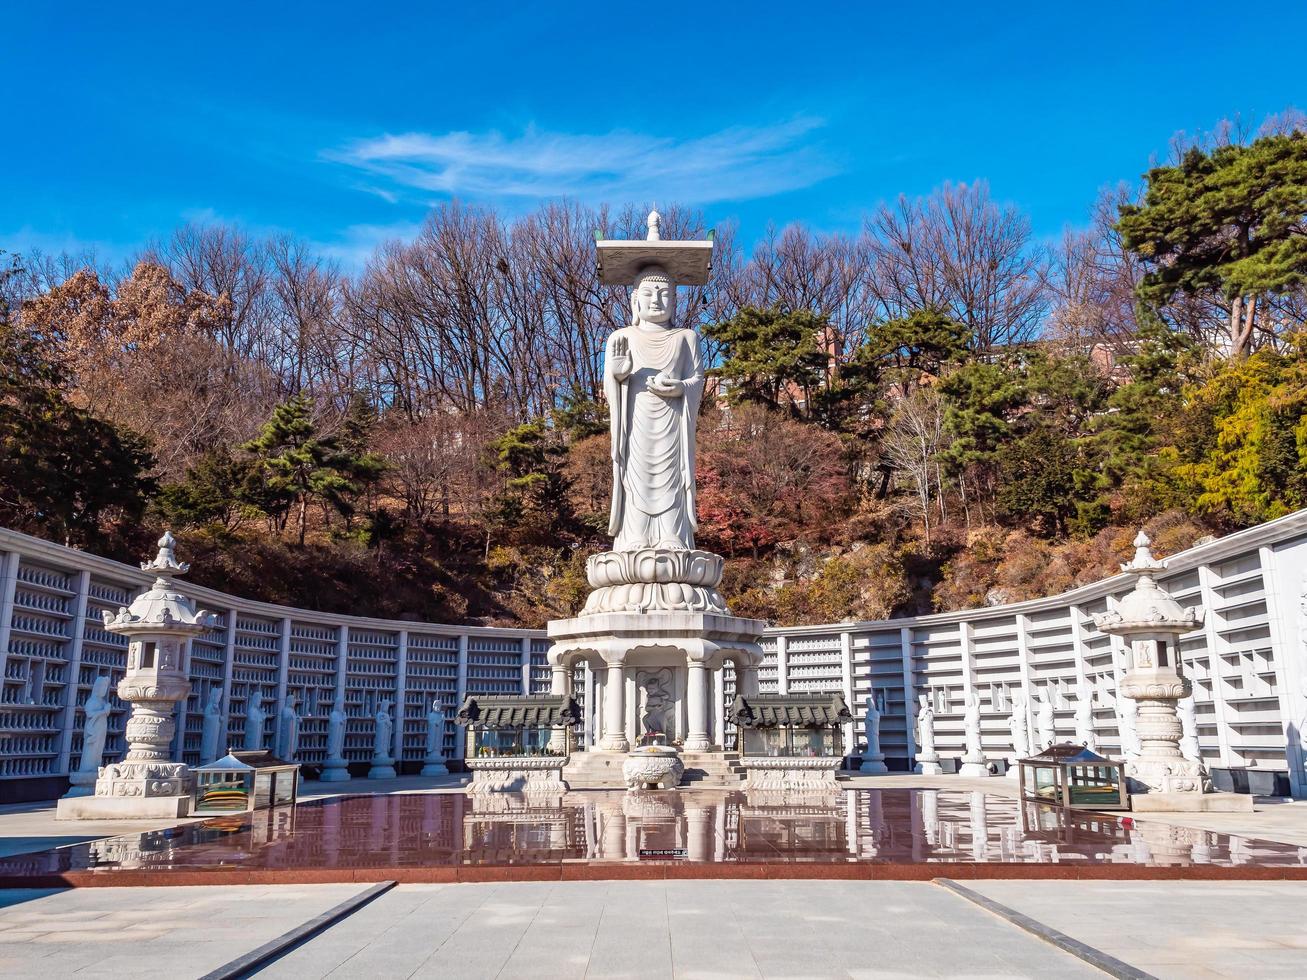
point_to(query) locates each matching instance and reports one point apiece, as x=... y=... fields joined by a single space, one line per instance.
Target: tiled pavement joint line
x=1094 y=957
x=243 y=966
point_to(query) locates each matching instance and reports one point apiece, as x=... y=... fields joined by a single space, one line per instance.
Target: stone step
x=603 y=770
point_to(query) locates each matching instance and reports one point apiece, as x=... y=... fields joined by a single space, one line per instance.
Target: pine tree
x=534 y=499
x=355 y=458
x=1229 y=224
x=979 y=398
x=299 y=464
x=1143 y=411
x=918 y=344
x=769 y=353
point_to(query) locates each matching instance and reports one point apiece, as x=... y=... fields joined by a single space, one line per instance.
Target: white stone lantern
x=1151 y=622
x=158 y=623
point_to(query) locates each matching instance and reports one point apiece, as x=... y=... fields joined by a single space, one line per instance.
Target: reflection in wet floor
x=899 y=826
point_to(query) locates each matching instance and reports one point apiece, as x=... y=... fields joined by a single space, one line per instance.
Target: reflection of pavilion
x=390 y=834
x=506 y=828
x=207 y=842
x=812 y=827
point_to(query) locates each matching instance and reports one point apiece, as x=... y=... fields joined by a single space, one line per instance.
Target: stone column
x=588 y=706
x=559 y=683
x=614 y=739
x=696 y=708
x=699 y=835
x=719 y=707
x=748 y=680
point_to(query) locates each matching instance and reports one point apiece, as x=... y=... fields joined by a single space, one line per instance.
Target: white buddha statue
x=653 y=377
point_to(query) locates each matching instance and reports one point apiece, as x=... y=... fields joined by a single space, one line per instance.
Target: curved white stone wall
x=1249 y=661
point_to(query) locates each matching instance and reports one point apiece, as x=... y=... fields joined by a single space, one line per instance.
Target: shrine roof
x=790 y=710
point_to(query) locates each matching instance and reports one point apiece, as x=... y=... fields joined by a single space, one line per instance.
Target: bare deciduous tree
x=912 y=442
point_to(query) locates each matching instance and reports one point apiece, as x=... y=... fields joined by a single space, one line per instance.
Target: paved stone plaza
x=662 y=929
x=690 y=928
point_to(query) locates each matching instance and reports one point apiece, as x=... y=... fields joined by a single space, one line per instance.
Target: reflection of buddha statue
x=653 y=378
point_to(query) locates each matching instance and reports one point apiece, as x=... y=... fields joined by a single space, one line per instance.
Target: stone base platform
x=798 y=774
x=595 y=769
x=122 y=807
x=1191 y=803
x=335 y=771
x=530 y=775
x=700 y=636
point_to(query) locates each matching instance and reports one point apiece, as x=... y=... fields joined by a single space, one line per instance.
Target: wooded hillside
x=939 y=411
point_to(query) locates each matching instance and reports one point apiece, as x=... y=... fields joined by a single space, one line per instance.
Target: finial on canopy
x=1143 y=560
x=165 y=562
x=654 y=221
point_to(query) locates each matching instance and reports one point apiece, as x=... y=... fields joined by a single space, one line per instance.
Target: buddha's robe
x=653 y=440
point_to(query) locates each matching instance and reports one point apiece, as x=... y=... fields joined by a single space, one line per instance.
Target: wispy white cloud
x=734 y=164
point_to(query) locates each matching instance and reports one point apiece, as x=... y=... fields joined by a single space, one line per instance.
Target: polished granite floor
x=862 y=832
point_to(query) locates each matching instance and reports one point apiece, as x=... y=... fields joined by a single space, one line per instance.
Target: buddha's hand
x=620 y=363
x=665 y=385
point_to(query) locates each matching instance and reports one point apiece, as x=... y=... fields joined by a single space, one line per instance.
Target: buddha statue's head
x=653 y=298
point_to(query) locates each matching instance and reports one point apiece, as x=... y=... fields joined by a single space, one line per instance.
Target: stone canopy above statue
x=687 y=263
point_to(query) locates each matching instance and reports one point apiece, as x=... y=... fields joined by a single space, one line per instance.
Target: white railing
x=1248 y=662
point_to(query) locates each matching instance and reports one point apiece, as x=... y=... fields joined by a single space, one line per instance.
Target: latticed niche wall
x=494 y=665
x=816 y=664
x=996 y=674
x=311 y=685
x=1104 y=663
x=936 y=659
x=208 y=657
x=36 y=671
x=1241 y=665
x=371 y=677
x=540 y=673
x=878 y=665
x=102 y=653
x=769 y=672
x=257 y=646
x=1051 y=654
x=432 y=675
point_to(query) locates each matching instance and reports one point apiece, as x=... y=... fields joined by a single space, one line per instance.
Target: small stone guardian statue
x=383 y=766
x=336 y=769
x=1126 y=716
x=211 y=734
x=1019 y=727
x=927 y=760
x=95 y=729
x=288 y=729
x=434 y=763
x=1188 y=712
x=973 y=762
x=1085 y=733
x=1045 y=721
x=254 y=719
x=873 y=760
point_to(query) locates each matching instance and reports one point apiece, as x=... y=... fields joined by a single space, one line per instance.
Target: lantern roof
x=1148 y=608
x=161 y=609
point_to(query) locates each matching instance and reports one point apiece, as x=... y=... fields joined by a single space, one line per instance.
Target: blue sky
x=343 y=123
